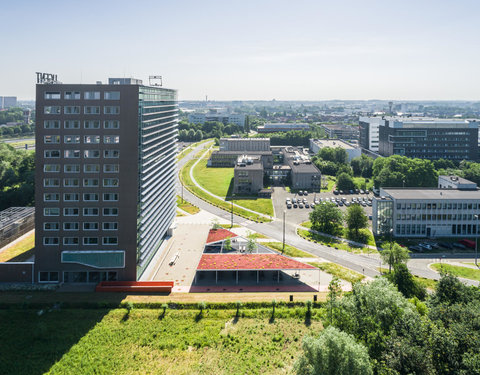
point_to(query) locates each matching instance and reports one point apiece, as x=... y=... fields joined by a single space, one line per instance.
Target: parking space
x=299 y=212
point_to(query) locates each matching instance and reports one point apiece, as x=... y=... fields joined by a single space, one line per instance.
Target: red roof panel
x=249 y=262
x=219 y=234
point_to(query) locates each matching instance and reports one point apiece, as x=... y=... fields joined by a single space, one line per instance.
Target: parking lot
x=300 y=213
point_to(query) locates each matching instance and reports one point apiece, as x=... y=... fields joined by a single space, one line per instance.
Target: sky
x=249 y=50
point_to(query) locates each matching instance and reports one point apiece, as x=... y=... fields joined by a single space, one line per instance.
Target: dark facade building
x=105 y=179
x=248 y=175
x=229 y=158
x=303 y=173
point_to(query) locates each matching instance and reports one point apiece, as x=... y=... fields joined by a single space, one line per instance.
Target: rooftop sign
x=46 y=78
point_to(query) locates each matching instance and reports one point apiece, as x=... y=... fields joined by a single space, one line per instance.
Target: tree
x=356 y=220
x=393 y=254
x=326 y=217
x=405 y=283
x=251 y=243
x=450 y=290
x=345 y=182
x=334 y=291
x=333 y=352
x=227 y=244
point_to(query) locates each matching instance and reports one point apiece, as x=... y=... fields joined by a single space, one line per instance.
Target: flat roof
x=245 y=262
x=457 y=180
x=333 y=143
x=429 y=194
x=254 y=166
x=240 y=152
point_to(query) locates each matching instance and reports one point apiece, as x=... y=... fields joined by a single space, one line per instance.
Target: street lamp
x=231 y=225
x=476 y=239
x=283 y=248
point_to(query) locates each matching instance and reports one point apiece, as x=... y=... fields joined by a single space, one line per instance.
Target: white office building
x=352 y=151
x=225 y=118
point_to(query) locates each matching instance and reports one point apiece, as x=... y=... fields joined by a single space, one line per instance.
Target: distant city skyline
x=249 y=50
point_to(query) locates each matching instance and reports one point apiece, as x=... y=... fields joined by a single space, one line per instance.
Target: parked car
x=312 y=205
x=316 y=201
x=415 y=248
x=340 y=203
x=304 y=200
x=307 y=205
x=289 y=205
x=300 y=205
x=335 y=192
x=425 y=246
x=361 y=191
x=341 y=192
x=367 y=191
x=446 y=245
x=357 y=191
x=351 y=192
x=295 y=205
x=458 y=245
x=370 y=217
x=305 y=192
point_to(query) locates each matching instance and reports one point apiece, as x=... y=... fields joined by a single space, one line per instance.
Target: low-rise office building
x=282 y=127
x=244 y=144
x=248 y=175
x=225 y=118
x=352 y=151
x=340 y=131
x=426 y=213
x=455 y=182
x=226 y=159
x=304 y=174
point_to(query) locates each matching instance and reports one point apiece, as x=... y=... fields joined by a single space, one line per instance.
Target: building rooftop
x=215 y=235
x=457 y=180
x=429 y=194
x=244 y=139
x=252 y=153
x=333 y=143
x=260 y=262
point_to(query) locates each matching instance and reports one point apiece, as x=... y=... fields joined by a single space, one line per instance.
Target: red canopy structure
x=215 y=235
x=249 y=262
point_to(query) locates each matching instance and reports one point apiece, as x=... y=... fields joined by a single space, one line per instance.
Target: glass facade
x=156 y=205
x=383 y=217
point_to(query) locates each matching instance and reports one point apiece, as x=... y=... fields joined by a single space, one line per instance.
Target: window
x=109 y=139
x=69 y=139
x=109 y=240
x=90 y=211
x=91 y=154
x=110 y=226
x=90 y=240
x=111 y=124
x=70 y=182
x=111 y=168
x=112 y=95
x=91 y=139
x=91 y=124
x=51 y=226
x=72 y=95
x=48 y=277
x=110 y=211
x=89 y=182
x=91 y=95
x=50 y=154
x=52 y=95
x=91 y=168
x=92 y=110
x=90 y=197
x=71 y=124
x=51 y=139
x=51 y=211
x=72 y=154
x=52 y=110
x=110 y=182
x=51 y=124
x=51 y=197
x=70 y=240
x=111 y=154
x=70 y=226
x=71 y=110
x=51 y=168
x=71 y=197
x=88 y=225
x=51 y=182
x=50 y=241
x=71 y=168
x=70 y=211
x=110 y=197
x=111 y=110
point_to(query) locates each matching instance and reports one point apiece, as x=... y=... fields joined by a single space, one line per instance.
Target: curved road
x=367 y=264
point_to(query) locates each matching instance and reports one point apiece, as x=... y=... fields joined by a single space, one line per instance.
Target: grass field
x=362 y=183
x=19 y=252
x=331 y=181
x=188 y=183
x=327 y=241
x=465 y=272
x=289 y=250
x=141 y=341
x=366 y=233
x=339 y=271
x=187 y=206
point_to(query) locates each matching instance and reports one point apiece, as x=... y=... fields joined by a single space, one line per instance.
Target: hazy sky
x=304 y=50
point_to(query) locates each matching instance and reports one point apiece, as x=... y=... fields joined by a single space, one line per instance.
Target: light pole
x=231 y=225
x=476 y=239
x=283 y=248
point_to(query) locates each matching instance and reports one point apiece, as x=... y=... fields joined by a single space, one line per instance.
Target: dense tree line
x=17 y=181
x=210 y=129
x=11 y=115
x=293 y=137
x=12 y=131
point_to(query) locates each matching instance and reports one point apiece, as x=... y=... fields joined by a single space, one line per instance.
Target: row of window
x=87 y=168
x=75 y=182
x=74 y=211
x=74 y=197
x=434 y=217
x=420 y=229
x=77 y=277
x=75 y=226
x=87 y=95
x=75 y=124
x=74 y=154
x=87 y=139
x=75 y=241
x=76 y=110
x=438 y=206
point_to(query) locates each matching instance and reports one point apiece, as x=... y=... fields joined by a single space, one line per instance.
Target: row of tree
x=12 y=131
x=210 y=129
x=11 y=115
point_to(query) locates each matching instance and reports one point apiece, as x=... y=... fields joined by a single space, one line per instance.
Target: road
x=367 y=264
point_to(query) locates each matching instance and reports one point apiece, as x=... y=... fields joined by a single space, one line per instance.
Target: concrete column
x=216 y=276
x=237 y=277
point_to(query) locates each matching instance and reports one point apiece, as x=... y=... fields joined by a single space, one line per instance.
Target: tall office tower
x=105 y=178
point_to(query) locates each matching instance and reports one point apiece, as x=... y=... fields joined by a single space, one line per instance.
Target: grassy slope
x=289 y=250
x=339 y=271
x=466 y=272
x=187 y=206
x=19 y=252
x=143 y=341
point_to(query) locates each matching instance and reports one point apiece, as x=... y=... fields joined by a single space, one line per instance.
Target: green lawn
x=187 y=206
x=327 y=241
x=219 y=181
x=19 y=252
x=366 y=233
x=98 y=341
x=331 y=181
x=362 y=183
x=289 y=250
x=339 y=271
x=465 y=272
